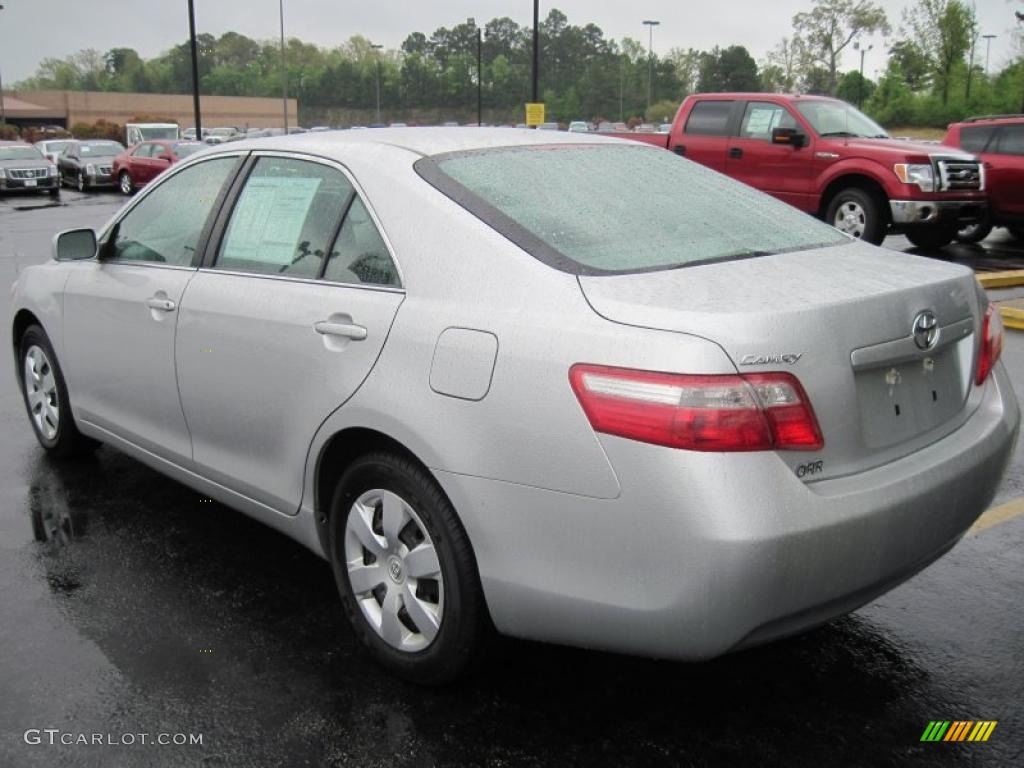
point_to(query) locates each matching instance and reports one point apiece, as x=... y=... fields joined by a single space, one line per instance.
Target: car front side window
x=165 y=226
x=761 y=117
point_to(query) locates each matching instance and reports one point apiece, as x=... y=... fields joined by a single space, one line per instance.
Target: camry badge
x=789 y=358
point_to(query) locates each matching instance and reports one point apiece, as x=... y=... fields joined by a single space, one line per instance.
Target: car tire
x=1017 y=233
x=124 y=181
x=932 y=238
x=858 y=213
x=83 y=185
x=975 y=233
x=55 y=192
x=46 y=396
x=386 y=517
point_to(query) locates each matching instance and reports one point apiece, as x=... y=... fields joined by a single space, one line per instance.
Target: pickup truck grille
x=959 y=175
x=27 y=173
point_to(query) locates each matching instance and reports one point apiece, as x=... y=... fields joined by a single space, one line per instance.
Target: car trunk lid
x=842 y=319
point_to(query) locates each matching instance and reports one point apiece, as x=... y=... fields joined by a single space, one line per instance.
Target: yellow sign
x=535 y=113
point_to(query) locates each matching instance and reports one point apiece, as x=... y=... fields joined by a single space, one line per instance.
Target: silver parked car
x=489 y=387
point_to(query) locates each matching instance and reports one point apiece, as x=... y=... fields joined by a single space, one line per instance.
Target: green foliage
x=9 y=132
x=729 y=69
x=831 y=25
x=661 y=112
x=101 y=129
x=855 y=88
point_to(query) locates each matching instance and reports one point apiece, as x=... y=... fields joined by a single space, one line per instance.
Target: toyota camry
x=550 y=384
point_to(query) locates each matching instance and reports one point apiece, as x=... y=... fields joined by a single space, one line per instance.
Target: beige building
x=65 y=108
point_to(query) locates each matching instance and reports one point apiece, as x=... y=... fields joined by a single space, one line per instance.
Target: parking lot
x=131 y=605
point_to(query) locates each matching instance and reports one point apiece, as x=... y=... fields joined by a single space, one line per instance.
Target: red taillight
x=755 y=412
x=991 y=344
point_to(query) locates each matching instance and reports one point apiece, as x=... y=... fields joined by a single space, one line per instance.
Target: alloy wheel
x=81 y=182
x=393 y=570
x=126 y=183
x=850 y=218
x=41 y=392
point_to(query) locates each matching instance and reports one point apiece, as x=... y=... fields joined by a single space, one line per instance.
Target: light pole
x=479 y=80
x=377 y=78
x=860 y=83
x=651 y=24
x=536 y=47
x=988 y=47
x=284 y=70
x=3 y=107
x=195 y=71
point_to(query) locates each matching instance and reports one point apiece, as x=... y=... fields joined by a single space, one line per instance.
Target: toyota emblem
x=926 y=330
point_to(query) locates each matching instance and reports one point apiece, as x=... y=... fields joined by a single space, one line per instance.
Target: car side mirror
x=790 y=136
x=74 y=245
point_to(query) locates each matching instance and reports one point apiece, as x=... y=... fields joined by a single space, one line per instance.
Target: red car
x=999 y=140
x=140 y=164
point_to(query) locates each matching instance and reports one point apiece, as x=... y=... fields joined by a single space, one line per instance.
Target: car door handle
x=348 y=330
x=164 y=305
x=735 y=152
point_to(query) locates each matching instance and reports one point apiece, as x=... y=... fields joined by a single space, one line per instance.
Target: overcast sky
x=31 y=30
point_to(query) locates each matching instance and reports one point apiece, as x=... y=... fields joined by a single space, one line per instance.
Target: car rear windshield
x=20 y=153
x=610 y=209
x=101 y=150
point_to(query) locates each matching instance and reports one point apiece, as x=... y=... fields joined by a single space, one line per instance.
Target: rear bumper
x=907 y=213
x=706 y=553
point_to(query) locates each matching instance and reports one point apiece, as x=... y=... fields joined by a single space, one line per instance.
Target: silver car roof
x=421 y=141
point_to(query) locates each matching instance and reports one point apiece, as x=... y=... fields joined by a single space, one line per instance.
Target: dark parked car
x=87 y=164
x=139 y=165
x=24 y=169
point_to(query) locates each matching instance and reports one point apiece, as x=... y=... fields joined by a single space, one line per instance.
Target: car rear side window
x=1011 y=140
x=974 y=138
x=144 y=150
x=359 y=254
x=285 y=218
x=615 y=208
x=164 y=226
x=709 y=118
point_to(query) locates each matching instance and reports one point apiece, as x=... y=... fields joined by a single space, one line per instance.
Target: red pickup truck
x=829 y=159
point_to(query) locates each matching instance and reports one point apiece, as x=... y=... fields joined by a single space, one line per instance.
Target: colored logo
x=958 y=730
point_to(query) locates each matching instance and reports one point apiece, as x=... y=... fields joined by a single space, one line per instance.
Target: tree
x=729 y=69
x=785 y=66
x=831 y=25
x=912 y=64
x=855 y=88
x=945 y=29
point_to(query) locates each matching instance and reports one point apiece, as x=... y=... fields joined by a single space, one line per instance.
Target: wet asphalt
x=129 y=606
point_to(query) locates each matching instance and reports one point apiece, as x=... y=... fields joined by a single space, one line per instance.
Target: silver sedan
x=575 y=389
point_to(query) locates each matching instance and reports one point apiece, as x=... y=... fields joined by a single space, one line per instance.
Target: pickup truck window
x=709 y=118
x=974 y=138
x=760 y=117
x=610 y=209
x=1011 y=140
x=837 y=118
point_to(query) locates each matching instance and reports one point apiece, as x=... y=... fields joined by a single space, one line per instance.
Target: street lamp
x=479 y=78
x=197 y=119
x=988 y=47
x=651 y=24
x=377 y=79
x=860 y=83
x=284 y=70
x=3 y=107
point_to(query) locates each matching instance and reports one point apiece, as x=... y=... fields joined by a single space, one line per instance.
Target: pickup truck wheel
x=857 y=213
x=933 y=238
x=1017 y=232
x=405 y=570
x=974 y=233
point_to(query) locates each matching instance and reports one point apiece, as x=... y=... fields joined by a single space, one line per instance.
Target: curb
x=1012 y=317
x=1005 y=279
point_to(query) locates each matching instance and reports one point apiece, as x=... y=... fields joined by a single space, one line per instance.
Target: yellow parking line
x=997 y=515
x=1003 y=279
x=1012 y=317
